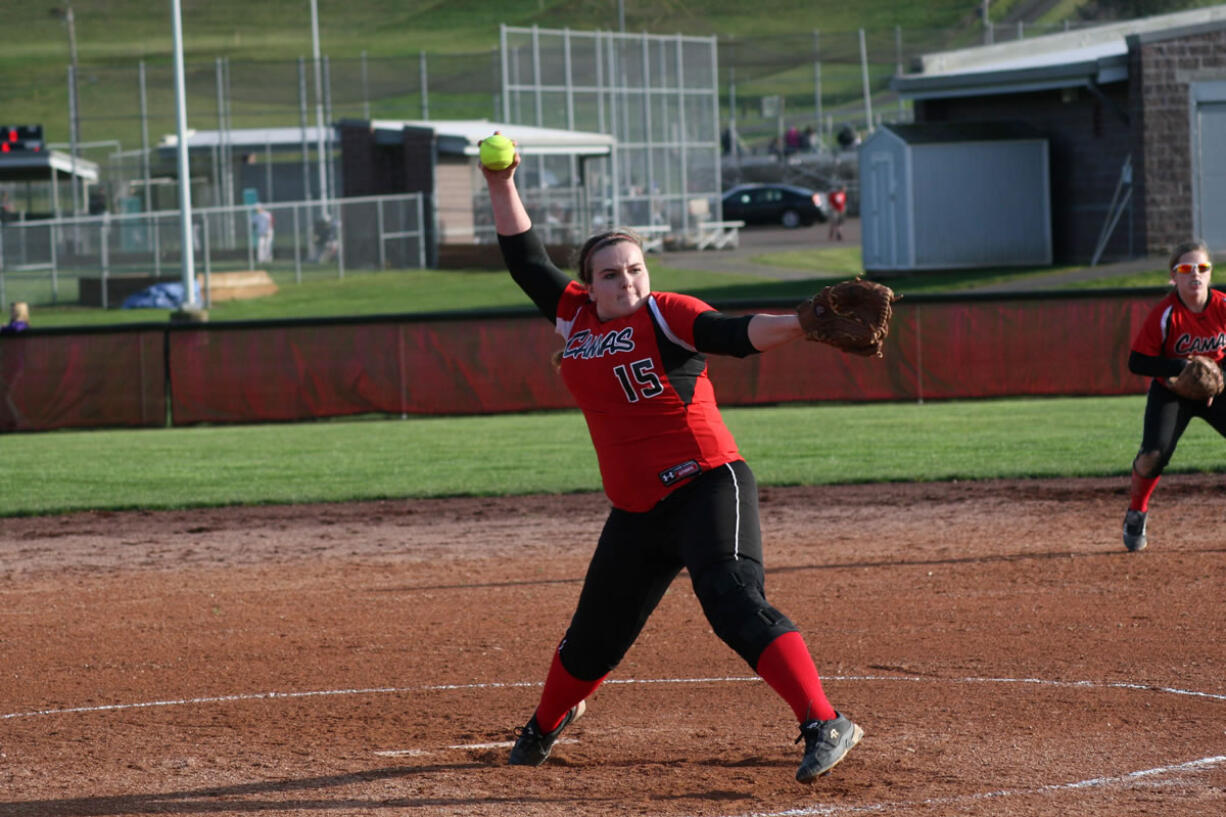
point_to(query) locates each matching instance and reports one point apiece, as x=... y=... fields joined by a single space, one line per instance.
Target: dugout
x=31 y=181
x=946 y=196
x=564 y=179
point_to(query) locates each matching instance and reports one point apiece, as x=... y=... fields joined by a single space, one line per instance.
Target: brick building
x=1135 y=116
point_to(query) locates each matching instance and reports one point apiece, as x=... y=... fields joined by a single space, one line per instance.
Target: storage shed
x=945 y=196
x=1135 y=115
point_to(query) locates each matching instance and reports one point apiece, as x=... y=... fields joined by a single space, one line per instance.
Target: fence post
x=425 y=88
x=105 y=229
x=365 y=90
x=208 y=267
x=898 y=63
x=297 y=248
x=868 y=100
x=817 y=79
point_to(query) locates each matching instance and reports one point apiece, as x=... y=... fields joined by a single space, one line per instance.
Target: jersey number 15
x=638 y=380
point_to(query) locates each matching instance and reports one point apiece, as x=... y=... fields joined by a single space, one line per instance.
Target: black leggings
x=1166 y=419
x=710 y=527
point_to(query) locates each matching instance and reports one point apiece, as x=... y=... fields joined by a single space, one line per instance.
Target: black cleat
x=826 y=743
x=532 y=747
x=1134 y=530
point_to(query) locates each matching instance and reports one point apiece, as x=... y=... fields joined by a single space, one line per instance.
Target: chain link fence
x=768 y=83
x=99 y=260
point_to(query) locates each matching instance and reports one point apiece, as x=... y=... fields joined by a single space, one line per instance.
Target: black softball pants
x=1166 y=419
x=710 y=527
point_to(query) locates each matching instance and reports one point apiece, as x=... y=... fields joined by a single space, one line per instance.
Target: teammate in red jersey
x=1191 y=321
x=635 y=362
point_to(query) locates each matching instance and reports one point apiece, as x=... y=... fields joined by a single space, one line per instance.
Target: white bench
x=718 y=235
x=652 y=235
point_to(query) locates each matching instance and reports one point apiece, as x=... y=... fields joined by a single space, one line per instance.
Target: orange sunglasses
x=1185 y=269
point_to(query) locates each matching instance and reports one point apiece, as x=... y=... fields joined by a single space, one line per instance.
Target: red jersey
x=643 y=388
x=838 y=200
x=1173 y=330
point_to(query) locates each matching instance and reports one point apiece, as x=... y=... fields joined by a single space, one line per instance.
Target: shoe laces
x=809 y=732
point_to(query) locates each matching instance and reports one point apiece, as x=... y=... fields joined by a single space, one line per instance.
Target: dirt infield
x=1003 y=653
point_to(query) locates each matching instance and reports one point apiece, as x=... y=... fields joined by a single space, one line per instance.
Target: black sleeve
x=720 y=334
x=1155 y=366
x=531 y=268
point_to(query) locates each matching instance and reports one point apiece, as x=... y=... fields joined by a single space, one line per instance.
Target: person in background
x=19 y=319
x=682 y=496
x=838 y=212
x=11 y=367
x=1190 y=321
x=262 y=223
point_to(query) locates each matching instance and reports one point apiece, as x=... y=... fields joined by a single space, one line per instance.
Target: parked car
x=785 y=204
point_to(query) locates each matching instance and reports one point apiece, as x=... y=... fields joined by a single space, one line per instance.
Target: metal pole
x=732 y=137
x=536 y=77
x=185 y=191
x=898 y=62
x=365 y=89
x=425 y=85
x=328 y=118
x=319 y=111
x=506 y=90
x=868 y=100
x=150 y=225
x=817 y=79
x=74 y=101
x=302 y=124
x=219 y=182
x=72 y=135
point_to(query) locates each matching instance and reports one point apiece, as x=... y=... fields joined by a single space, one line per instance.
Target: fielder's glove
x=1200 y=380
x=853 y=316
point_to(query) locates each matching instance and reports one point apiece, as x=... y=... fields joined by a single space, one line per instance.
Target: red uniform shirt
x=1173 y=330
x=644 y=391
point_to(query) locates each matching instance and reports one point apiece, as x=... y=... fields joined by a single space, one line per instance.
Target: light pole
x=319 y=112
x=185 y=179
x=74 y=117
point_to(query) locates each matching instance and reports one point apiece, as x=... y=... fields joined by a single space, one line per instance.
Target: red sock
x=1142 y=490
x=786 y=665
x=562 y=691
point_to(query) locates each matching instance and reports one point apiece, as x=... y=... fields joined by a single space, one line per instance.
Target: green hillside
x=773 y=38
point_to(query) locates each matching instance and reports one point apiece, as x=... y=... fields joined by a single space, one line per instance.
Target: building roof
x=456 y=137
x=246 y=138
x=38 y=166
x=1089 y=56
x=460 y=137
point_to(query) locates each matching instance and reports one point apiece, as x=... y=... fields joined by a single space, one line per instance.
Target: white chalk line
x=1127 y=778
x=323 y=693
x=1090 y=783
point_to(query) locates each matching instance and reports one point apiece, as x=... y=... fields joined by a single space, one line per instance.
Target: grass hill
x=773 y=56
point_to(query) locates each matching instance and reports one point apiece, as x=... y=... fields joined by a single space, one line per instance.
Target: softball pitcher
x=1180 y=345
x=682 y=497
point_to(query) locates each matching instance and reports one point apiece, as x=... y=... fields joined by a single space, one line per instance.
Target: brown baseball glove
x=1201 y=379
x=852 y=316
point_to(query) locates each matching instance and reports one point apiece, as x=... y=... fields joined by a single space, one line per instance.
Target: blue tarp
x=158 y=296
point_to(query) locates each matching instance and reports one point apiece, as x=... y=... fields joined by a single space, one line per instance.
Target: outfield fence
x=153 y=375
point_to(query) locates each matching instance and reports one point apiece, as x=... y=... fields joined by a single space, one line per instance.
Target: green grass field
x=378 y=458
